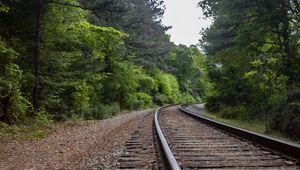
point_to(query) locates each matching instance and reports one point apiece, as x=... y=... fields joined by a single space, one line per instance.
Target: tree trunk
x=286 y=41
x=37 y=54
x=10 y=22
x=4 y=104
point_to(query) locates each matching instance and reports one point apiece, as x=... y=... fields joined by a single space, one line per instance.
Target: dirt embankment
x=87 y=144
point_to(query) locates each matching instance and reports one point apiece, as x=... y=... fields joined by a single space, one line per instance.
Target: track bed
x=198 y=146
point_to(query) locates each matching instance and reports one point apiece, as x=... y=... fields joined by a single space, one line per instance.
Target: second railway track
x=196 y=145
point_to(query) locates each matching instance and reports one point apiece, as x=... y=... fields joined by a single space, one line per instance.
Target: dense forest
x=253 y=61
x=92 y=59
x=95 y=58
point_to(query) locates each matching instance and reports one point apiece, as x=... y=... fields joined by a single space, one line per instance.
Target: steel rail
x=285 y=148
x=168 y=153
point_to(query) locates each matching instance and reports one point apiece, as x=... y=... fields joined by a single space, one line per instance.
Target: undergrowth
x=257 y=126
x=34 y=128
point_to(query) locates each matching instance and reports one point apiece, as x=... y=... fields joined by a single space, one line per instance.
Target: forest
x=253 y=61
x=92 y=59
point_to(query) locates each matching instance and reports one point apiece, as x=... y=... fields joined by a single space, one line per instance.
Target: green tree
x=252 y=54
x=13 y=106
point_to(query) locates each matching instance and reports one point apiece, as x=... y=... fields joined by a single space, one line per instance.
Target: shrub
x=161 y=99
x=143 y=100
x=212 y=102
x=285 y=117
x=13 y=106
x=291 y=121
x=101 y=111
x=37 y=134
x=237 y=112
x=76 y=118
x=167 y=86
x=42 y=118
x=186 y=98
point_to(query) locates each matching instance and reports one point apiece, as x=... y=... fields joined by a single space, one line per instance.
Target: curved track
x=196 y=145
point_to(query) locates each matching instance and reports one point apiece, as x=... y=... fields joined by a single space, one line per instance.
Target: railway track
x=140 y=150
x=187 y=143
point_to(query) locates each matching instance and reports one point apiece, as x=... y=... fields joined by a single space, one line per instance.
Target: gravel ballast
x=81 y=146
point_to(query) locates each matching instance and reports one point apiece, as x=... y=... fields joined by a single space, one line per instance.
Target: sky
x=186 y=20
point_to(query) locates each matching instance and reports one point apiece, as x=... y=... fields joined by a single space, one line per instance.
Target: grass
x=37 y=128
x=23 y=131
x=255 y=126
x=29 y=129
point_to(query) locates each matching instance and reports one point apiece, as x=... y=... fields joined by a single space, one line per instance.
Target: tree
x=89 y=58
x=37 y=53
x=252 y=50
x=147 y=42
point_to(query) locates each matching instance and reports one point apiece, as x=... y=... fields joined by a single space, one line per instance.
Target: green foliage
x=38 y=134
x=182 y=61
x=186 y=98
x=43 y=119
x=76 y=50
x=147 y=43
x=253 y=50
x=76 y=118
x=235 y=112
x=144 y=100
x=92 y=64
x=213 y=101
x=140 y=100
x=146 y=83
x=285 y=113
x=81 y=95
x=120 y=83
x=167 y=86
x=4 y=8
x=28 y=130
x=101 y=111
x=100 y=40
x=188 y=65
x=13 y=106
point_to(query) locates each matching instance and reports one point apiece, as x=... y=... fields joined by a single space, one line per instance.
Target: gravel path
x=87 y=145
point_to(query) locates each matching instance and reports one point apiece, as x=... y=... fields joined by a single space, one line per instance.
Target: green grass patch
x=23 y=132
x=257 y=126
x=34 y=128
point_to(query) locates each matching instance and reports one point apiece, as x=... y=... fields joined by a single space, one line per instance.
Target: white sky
x=186 y=19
